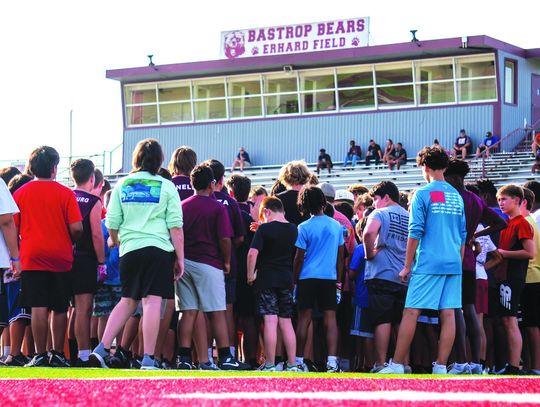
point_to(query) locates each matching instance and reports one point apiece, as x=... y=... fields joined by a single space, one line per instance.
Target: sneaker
x=281 y=366
x=266 y=368
x=407 y=369
x=154 y=367
x=333 y=368
x=124 y=358
x=82 y=363
x=106 y=362
x=456 y=368
x=208 y=366
x=310 y=365
x=534 y=372
x=377 y=368
x=392 y=368
x=15 y=361
x=494 y=370
x=57 y=359
x=184 y=363
x=291 y=368
x=512 y=370
x=476 y=368
x=231 y=363
x=166 y=365
x=135 y=363
x=41 y=360
x=439 y=369
x=302 y=367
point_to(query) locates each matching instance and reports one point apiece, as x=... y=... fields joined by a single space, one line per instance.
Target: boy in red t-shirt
x=516 y=246
x=49 y=221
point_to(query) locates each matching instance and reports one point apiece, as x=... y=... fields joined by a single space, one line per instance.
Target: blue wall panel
x=275 y=141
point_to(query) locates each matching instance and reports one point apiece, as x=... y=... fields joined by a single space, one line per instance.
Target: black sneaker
x=58 y=359
x=231 y=363
x=512 y=370
x=136 y=363
x=124 y=358
x=184 y=363
x=15 y=361
x=40 y=360
x=82 y=363
x=166 y=365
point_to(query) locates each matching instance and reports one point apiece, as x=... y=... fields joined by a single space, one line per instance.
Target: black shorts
x=3 y=302
x=84 y=275
x=245 y=299
x=314 y=291
x=468 y=287
x=530 y=305
x=510 y=292
x=230 y=290
x=275 y=301
x=45 y=289
x=386 y=301
x=147 y=271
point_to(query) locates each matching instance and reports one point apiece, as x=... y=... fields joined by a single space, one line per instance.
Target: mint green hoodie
x=143 y=207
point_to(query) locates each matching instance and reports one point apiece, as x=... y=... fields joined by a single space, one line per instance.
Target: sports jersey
x=84 y=246
x=47 y=208
x=7 y=206
x=517 y=230
x=143 y=207
x=437 y=221
x=533 y=271
x=183 y=186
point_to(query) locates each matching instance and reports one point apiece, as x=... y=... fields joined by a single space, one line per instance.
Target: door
x=535 y=98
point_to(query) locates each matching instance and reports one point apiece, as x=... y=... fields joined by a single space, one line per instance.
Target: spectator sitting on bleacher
x=398 y=158
x=353 y=155
x=242 y=160
x=324 y=161
x=462 y=144
x=535 y=143
x=487 y=145
x=374 y=153
x=388 y=150
x=536 y=166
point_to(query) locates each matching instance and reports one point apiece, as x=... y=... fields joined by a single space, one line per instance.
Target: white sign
x=291 y=39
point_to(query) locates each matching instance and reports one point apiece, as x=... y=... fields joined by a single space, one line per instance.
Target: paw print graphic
x=356 y=41
x=255 y=51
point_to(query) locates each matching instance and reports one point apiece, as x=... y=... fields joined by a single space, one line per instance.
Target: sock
x=147 y=360
x=93 y=342
x=73 y=347
x=83 y=354
x=299 y=360
x=232 y=350
x=211 y=355
x=6 y=351
x=224 y=353
x=332 y=360
x=100 y=350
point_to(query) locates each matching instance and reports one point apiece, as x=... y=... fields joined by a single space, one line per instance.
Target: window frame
x=515 y=88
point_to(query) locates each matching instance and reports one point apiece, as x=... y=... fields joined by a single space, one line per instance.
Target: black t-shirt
x=325 y=158
x=374 y=149
x=242 y=250
x=292 y=214
x=275 y=243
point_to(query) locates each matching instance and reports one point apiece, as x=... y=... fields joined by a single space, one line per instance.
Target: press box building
x=288 y=106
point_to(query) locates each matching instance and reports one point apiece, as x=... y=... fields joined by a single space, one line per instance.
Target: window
x=419 y=83
x=510 y=82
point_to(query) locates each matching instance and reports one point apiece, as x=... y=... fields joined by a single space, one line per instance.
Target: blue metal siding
x=513 y=116
x=278 y=141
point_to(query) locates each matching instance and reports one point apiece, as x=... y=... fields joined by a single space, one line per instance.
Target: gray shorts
x=202 y=287
x=139 y=310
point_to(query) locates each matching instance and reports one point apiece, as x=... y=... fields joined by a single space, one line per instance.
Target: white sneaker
x=303 y=368
x=392 y=368
x=439 y=369
x=457 y=368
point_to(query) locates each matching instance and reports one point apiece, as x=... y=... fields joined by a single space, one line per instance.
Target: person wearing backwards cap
x=487 y=145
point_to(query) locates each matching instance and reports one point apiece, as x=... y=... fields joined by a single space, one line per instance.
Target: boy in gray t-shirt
x=385 y=242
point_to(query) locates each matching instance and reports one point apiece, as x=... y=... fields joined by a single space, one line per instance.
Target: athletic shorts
x=45 y=289
x=15 y=311
x=429 y=317
x=434 y=291
x=386 y=300
x=162 y=308
x=360 y=325
x=3 y=302
x=245 y=299
x=482 y=300
x=468 y=288
x=202 y=287
x=147 y=271
x=84 y=275
x=314 y=291
x=275 y=301
x=230 y=290
x=106 y=298
x=530 y=305
x=510 y=292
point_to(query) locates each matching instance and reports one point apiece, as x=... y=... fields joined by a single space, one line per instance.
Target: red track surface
x=168 y=392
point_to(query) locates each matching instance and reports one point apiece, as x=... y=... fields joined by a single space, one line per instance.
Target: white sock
x=6 y=351
x=332 y=360
x=299 y=360
x=211 y=355
x=84 y=354
x=233 y=351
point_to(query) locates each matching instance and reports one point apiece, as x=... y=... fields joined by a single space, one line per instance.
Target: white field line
x=405 y=395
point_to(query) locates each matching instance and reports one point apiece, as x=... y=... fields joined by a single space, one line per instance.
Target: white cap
x=344 y=195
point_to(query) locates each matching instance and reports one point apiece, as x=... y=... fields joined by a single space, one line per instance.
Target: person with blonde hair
x=294 y=175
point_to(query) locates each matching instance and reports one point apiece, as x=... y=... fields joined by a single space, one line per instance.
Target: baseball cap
x=344 y=195
x=328 y=190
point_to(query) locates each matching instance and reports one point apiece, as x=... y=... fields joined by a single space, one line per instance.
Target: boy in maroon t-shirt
x=49 y=221
x=516 y=246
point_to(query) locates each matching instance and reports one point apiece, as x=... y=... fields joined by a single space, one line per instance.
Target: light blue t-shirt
x=392 y=244
x=320 y=237
x=437 y=220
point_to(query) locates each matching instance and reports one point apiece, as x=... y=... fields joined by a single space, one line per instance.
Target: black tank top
x=85 y=246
